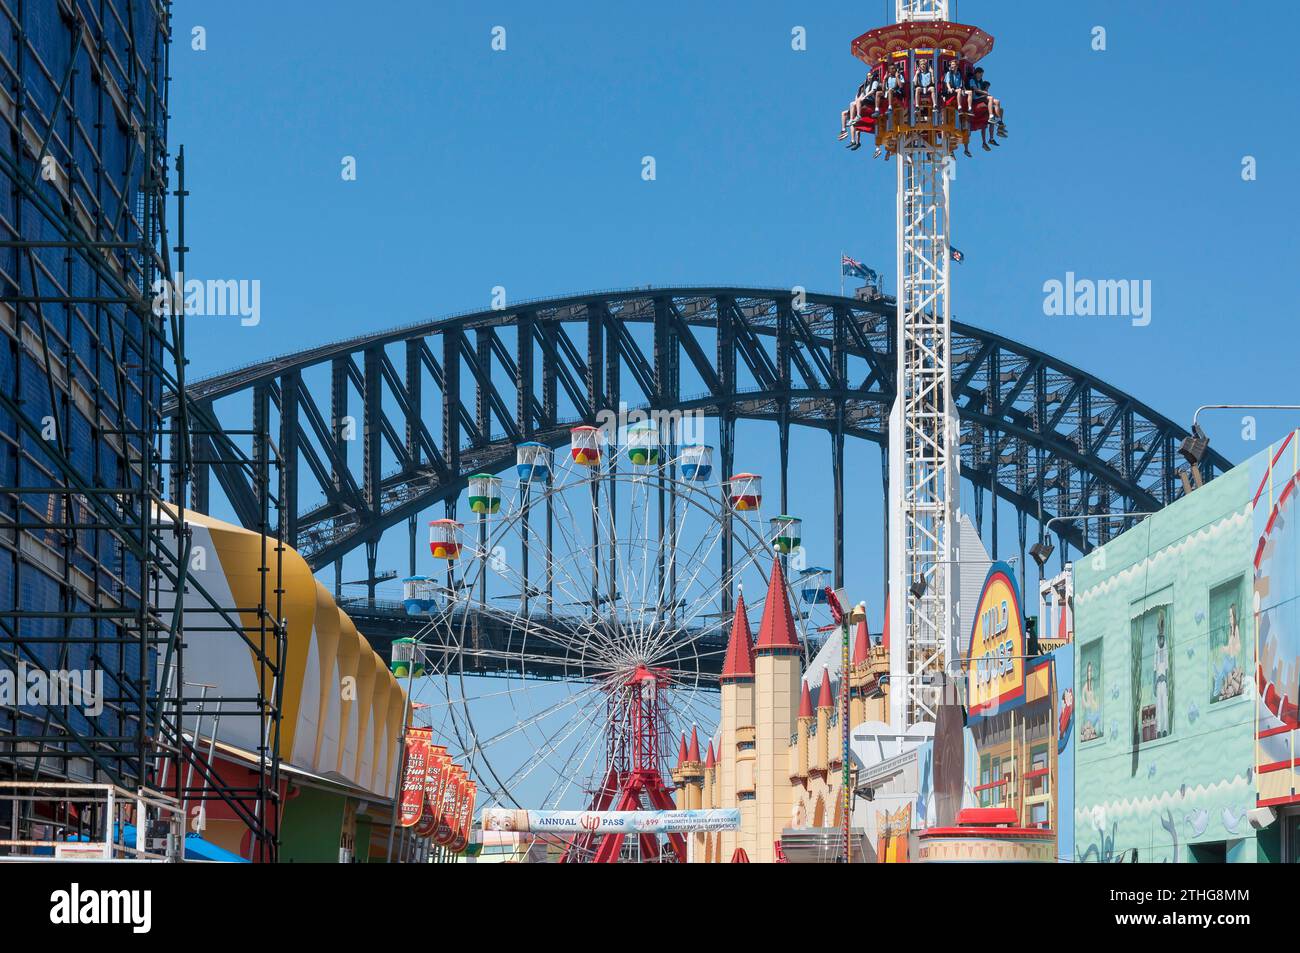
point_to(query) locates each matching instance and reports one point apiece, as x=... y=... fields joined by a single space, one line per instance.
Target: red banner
x=446 y=831
x=466 y=817
x=435 y=779
x=413 y=780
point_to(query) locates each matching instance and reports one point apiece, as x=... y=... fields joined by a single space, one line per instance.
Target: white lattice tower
x=923 y=433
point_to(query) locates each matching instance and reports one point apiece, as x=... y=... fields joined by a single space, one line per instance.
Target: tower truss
x=924 y=463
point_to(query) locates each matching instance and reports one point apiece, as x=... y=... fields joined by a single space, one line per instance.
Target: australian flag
x=955 y=253
x=849 y=268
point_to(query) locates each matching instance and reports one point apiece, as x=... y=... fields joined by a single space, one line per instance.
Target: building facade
x=1186 y=656
x=83 y=175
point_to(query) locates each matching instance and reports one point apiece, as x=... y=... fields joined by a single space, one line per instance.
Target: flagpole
x=841 y=272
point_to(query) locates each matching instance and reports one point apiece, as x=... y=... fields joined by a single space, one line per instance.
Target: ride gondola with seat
x=939 y=116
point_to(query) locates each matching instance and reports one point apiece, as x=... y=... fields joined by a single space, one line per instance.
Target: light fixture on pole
x=1042 y=552
x=919 y=587
x=1044 y=545
x=1192 y=449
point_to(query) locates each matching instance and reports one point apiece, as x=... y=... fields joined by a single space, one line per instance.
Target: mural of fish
x=1197 y=821
x=1232 y=820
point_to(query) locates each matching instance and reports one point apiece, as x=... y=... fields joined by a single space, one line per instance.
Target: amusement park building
x=1188 y=656
x=1015 y=756
x=341 y=712
x=776 y=761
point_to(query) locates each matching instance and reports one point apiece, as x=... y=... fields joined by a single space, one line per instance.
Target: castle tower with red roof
x=735 y=784
x=777 y=668
x=799 y=757
x=712 y=840
x=825 y=705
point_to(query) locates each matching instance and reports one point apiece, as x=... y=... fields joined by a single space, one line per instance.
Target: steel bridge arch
x=1045 y=436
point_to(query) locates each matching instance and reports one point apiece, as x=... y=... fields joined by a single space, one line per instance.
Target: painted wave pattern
x=1208 y=533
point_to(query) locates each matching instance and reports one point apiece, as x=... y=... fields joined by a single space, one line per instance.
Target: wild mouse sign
x=995 y=661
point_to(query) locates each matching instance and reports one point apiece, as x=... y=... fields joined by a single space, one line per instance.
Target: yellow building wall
x=736 y=768
x=322 y=649
x=349 y=658
x=380 y=688
x=364 y=708
x=776 y=699
x=324 y=756
x=396 y=724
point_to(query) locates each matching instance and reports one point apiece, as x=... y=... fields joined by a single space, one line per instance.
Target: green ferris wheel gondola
x=484 y=493
x=643 y=444
x=786 y=533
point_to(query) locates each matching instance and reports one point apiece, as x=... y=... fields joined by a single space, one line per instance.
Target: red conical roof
x=739 y=661
x=776 y=633
x=681 y=752
x=709 y=760
x=824 y=699
x=861 y=643
x=693 y=754
x=805 y=701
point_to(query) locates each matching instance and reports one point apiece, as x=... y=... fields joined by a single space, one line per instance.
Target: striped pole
x=846 y=795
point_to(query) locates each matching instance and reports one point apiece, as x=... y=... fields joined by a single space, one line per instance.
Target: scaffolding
x=98 y=443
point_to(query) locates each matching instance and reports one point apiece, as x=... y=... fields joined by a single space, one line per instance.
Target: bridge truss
x=431 y=403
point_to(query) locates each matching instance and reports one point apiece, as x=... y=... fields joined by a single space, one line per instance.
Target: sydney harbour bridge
x=375 y=429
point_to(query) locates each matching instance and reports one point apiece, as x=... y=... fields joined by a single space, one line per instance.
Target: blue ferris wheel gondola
x=697 y=463
x=418 y=595
x=812 y=585
x=533 y=462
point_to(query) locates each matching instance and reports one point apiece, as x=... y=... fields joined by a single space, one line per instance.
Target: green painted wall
x=1163 y=791
x=361 y=853
x=311 y=827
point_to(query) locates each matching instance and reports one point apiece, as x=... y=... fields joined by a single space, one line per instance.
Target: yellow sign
x=995 y=673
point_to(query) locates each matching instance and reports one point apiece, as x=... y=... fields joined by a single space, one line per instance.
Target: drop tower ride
x=920 y=131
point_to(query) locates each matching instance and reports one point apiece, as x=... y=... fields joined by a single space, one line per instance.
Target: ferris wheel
x=580 y=615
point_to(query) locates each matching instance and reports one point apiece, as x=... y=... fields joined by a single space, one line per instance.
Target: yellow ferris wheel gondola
x=444 y=538
x=745 y=492
x=584 y=446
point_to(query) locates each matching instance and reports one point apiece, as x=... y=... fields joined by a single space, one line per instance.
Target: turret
x=692 y=771
x=776 y=680
x=735 y=779
x=799 y=755
x=861 y=649
x=680 y=797
x=709 y=801
x=710 y=777
x=825 y=706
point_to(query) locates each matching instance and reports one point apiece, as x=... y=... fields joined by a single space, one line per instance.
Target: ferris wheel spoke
x=704 y=601
x=551 y=630
x=592 y=555
x=583 y=719
x=669 y=624
x=548 y=630
x=518 y=727
x=568 y=775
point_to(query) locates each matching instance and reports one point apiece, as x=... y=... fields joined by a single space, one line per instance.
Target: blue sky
x=522 y=169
